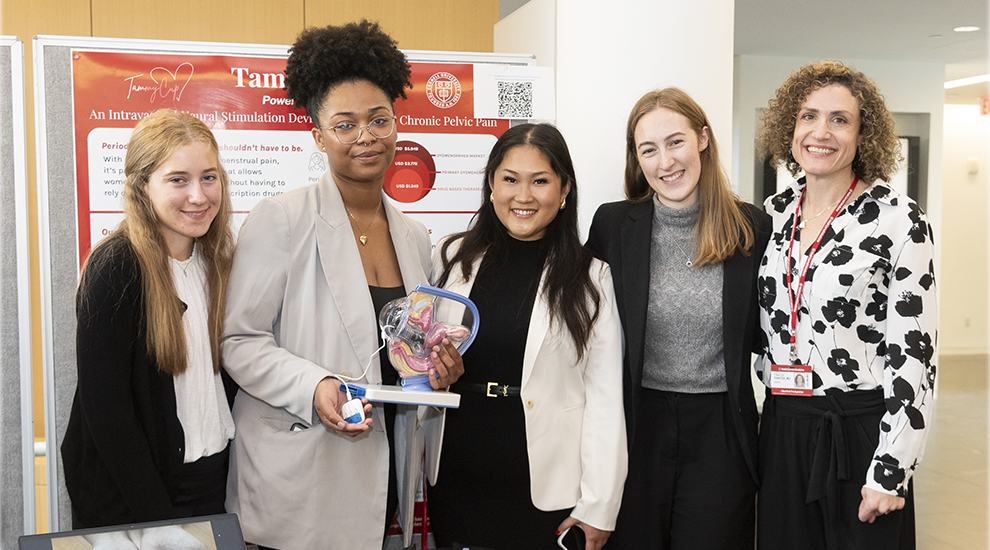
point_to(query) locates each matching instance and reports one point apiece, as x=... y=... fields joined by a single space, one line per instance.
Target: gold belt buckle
x=488 y=391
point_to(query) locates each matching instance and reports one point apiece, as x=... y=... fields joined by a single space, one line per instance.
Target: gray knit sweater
x=684 y=318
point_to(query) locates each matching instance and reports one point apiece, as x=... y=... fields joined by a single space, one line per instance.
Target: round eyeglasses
x=380 y=127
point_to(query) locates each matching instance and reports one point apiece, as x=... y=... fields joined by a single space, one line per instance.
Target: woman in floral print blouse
x=836 y=461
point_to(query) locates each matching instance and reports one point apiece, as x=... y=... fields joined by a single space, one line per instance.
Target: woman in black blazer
x=148 y=433
x=684 y=253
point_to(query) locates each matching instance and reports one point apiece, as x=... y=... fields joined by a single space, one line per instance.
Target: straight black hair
x=571 y=295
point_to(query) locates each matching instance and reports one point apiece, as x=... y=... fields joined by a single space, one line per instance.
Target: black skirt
x=814 y=457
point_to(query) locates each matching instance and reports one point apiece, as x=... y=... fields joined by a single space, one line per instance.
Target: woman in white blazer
x=538 y=444
x=312 y=269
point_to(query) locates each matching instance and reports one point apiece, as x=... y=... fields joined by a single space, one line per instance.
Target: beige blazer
x=298 y=307
x=575 y=426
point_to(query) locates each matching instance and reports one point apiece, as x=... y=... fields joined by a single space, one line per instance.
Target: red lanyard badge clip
x=794 y=297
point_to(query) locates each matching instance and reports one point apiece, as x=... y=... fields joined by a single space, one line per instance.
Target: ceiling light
x=967 y=81
x=966 y=29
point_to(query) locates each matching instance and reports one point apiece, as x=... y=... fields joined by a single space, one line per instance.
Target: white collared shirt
x=200 y=401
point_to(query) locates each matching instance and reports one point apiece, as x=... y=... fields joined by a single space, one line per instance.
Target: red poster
x=265 y=144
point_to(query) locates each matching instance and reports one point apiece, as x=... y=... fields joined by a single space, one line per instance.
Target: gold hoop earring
x=562 y=203
x=492 y=197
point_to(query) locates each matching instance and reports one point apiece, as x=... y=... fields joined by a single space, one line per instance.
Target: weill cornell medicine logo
x=443 y=90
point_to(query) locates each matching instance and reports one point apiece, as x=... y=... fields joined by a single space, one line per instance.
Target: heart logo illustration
x=171 y=83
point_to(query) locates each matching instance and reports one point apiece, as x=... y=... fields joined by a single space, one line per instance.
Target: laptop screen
x=219 y=532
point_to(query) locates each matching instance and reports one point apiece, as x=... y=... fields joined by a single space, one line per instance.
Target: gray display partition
x=17 y=515
x=59 y=248
x=57 y=265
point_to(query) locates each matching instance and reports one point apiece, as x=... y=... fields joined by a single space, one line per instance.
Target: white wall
x=964 y=286
x=530 y=29
x=606 y=56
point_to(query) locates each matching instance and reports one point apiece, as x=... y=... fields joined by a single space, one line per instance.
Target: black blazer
x=124 y=446
x=621 y=235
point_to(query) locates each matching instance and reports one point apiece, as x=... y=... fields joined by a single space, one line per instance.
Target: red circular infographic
x=412 y=173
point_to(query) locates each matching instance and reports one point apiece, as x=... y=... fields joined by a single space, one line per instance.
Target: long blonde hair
x=722 y=226
x=155 y=139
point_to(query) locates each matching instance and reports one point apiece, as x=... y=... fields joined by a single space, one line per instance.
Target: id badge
x=790 y=380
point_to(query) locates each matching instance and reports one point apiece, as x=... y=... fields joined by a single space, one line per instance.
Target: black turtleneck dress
x=482 y=495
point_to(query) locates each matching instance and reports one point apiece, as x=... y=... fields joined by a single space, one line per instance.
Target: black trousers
x=483 y=496
x=203 y=485
x=814 y=457
x=202 y=489
x=688 y=485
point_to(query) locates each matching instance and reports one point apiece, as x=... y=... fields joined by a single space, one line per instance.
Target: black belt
x=489 y=389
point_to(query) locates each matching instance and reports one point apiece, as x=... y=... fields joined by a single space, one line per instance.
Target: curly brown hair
x=324 y=57
x=877 y=156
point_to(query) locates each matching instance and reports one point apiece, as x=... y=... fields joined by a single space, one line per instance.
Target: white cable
x=344 y=379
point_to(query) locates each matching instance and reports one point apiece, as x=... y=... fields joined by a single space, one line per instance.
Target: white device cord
x=345 y=379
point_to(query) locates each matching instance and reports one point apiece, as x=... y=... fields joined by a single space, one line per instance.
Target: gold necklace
x=364 y=232
x=804 y=221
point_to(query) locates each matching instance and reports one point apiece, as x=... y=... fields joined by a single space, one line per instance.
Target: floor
x=951 y=488
x=951 y=484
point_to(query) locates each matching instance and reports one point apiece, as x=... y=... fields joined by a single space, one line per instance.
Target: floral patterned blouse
x=867 y=316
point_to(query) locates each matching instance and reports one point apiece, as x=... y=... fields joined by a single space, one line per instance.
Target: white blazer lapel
x=450 y=309
x=344 y=273
x=539 y=324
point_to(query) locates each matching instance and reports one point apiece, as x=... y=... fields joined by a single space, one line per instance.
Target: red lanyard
x=794 y=298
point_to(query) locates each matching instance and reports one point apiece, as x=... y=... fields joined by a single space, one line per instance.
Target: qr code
x=515 y=99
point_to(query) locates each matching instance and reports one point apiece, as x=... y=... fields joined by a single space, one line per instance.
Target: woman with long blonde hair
x=150 y=424
x=684 y=253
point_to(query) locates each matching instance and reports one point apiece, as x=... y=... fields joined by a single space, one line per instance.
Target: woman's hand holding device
x=328 y=400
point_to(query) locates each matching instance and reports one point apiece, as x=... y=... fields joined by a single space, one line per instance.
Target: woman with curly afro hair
x=312 y=269
x=847 y=295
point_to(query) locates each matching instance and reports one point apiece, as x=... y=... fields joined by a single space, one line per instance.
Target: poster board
x=17 y=514
x=265 y=143
x=91 y=92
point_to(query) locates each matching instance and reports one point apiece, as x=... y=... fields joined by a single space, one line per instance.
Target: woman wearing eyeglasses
x=312 y=269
